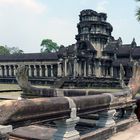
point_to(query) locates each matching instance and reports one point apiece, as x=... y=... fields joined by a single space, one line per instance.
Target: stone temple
x=96 y=54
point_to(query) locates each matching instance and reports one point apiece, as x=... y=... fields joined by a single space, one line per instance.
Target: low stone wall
x=106 y=133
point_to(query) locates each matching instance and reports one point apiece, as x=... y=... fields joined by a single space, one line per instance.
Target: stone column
x=66 y=67
x=98 y=69
x=103 y=71
x=89 y=70
x=40 y=71
x=106 y=118
x=14 y=67
x=79 y=68
x=111 y=71
x=93 y=69
x=1 y=71
x=85 y=67
x=35 y=71
x=52 y=71
x=10 y=71
x=30 y=73
x=5 y=71
x=59 y=70
x=46 y=71
x=75 y=68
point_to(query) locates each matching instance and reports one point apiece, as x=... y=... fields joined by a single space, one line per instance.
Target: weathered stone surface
x=66 y=130
x=106 y=119
x=37 y=132
x=5 y=129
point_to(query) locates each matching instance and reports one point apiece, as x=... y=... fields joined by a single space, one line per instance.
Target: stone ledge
x=106 y=133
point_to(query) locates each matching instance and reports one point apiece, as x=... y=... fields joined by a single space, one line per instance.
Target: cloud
x=31 y=5
x=102 y=6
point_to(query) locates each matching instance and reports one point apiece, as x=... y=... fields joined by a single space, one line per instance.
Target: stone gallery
x=95 y=54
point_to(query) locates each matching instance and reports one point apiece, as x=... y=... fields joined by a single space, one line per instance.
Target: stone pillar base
x=66 y=130
x=106 y=119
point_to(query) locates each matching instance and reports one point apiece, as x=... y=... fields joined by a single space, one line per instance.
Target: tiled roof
x=29 y=57
x=123 y=51
x=136 y=52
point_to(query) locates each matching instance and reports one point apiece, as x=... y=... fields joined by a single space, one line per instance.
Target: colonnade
x=50 y=70
x=63 y=68
x=85 y=68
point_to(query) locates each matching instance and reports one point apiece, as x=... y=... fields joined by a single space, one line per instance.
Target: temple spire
x=133 y=43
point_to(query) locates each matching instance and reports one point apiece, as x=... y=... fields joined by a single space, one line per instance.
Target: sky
x=25 y=23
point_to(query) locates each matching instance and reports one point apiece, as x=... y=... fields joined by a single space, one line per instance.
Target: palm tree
x=138 y=12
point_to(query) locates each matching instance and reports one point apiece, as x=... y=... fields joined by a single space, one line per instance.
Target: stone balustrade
x=66 y=112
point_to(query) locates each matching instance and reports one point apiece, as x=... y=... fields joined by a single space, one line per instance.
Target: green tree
x=7 y=50
x=15 y=50
x=138 y=12
x=4 y=50
x=48 y=46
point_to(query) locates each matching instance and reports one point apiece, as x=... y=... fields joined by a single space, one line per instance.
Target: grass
x=9 y=87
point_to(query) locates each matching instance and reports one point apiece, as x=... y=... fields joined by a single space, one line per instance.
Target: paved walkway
x=132 y=133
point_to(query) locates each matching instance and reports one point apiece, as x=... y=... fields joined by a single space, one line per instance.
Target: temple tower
x=94 y=28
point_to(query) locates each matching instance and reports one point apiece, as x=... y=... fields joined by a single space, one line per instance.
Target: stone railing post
x=66 y=128
x=106 y=118
x=4 y=130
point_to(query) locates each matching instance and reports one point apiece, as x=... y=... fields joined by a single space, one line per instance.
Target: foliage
x=49 y=46
x=4 y=50
x=138 y=12
x=15 y=50
x=7 y=50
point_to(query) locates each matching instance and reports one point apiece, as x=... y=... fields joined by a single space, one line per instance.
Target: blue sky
x=24 y=23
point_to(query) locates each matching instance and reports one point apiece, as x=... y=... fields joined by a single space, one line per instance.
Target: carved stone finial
x=22 y=77
x=133 y=43
x=134 y=82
